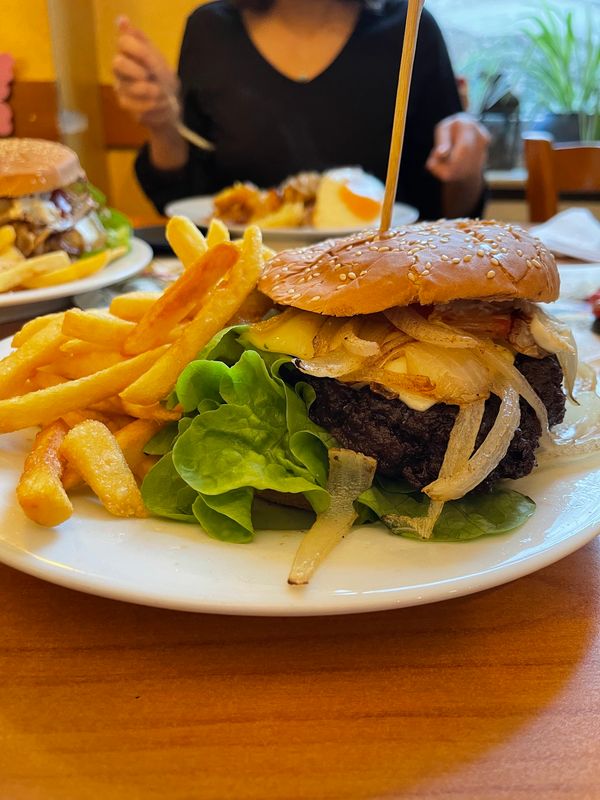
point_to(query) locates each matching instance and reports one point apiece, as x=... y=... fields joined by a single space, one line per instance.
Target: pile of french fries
x=50 y=269
x=95 y=381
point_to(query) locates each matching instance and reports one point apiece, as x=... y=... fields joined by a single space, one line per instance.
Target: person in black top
x=283 y=86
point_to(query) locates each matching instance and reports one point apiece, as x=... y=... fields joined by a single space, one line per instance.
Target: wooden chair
x=557 y=168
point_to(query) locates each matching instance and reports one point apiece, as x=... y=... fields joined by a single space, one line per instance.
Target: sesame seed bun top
x=432 y=262
x=33 y=166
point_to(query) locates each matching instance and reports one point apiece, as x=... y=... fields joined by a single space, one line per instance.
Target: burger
x=45 y=196
x=424 y=351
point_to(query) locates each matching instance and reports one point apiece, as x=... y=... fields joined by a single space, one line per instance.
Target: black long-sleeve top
x=266 y=126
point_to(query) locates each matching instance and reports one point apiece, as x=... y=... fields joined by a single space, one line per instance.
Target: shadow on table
x=371 y=706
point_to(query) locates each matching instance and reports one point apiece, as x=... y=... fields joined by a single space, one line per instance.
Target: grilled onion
x=350 y=474
x=488 y=455
x=460 y=446
x=410 y=322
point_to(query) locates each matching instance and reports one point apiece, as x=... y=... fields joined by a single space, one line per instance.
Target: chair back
x=556 y=168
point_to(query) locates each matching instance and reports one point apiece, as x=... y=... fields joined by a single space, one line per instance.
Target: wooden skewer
x=413 y=18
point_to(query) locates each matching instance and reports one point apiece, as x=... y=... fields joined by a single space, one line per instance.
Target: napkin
x=574 y=233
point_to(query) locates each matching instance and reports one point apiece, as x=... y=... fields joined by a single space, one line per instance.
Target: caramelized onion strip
x=488 y=455
x=350 y=474
x=412 y=323
x=460 y=446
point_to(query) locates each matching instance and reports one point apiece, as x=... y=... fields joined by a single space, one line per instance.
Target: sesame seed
x=411 y=277
x=519 y=252
x=445 y=258
x=491 y=274
x=343 y=276
x=352 y=275
x=363 y=272
x=467 y=258
x=456 y=260
x=317 y=275
x=495 y=262
x=317 y=297
x=428 y=264
x=425 y=272
x=480 y=253
x=529 y=264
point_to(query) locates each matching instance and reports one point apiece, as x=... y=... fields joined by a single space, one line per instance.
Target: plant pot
x=563 y=127
x=505 y=132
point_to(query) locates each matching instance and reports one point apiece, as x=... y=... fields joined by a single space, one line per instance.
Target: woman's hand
x=458 y=157
x=145 y=84
x=460 y=149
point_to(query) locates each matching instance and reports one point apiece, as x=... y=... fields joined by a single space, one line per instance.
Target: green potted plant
x=565 y=69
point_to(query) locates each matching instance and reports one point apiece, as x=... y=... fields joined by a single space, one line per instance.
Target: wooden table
x=493 y=696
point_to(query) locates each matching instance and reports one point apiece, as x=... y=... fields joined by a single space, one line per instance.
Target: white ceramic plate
x=138 y=257
x=174 y=565
x=200 y=211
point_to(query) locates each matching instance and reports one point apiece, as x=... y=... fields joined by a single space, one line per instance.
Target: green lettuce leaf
x=246 y=430
x=476 y=514
x=115 y=223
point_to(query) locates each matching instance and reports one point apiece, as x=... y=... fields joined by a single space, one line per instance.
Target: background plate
x=139 y=256
x=200 y=211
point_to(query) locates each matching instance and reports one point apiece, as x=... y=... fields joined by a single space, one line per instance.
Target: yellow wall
x=162 y=21
x=24 y=33
x=165 y=30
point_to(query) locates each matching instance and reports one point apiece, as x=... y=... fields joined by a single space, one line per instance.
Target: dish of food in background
x=80 y=403
x=55 y=227
x=133 y=261
x=309 y=205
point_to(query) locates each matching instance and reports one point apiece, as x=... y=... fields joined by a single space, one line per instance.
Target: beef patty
x=411 y=444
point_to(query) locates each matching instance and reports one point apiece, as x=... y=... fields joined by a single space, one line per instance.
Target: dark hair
x=265 y=5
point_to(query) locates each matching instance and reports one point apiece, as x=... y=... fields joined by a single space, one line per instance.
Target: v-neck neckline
x=296 y=81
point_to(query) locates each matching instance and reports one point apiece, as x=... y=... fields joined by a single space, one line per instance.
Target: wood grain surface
x=496 y=695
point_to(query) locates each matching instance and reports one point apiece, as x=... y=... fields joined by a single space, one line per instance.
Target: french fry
x=180 y=299
x=220 y=306
x=253 y=309
x=217 y=233
x=7 y=238
x=144 y=466
x=152 y=412
x=21 y=271
x=33 y=326
x=133 y=438
x=9 y=256
x=79 y=366
x=97 y=326
x=40 y=491
x=77 y=347
x=45 y=405
x=42 y=380
x=113 y=423
x=21 y=364
x=187 y=241
x=75 y=271
x=93 y=451
x=133 y=305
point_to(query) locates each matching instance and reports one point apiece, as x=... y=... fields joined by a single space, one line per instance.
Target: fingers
x=145 y=91
x=125 y=69
x=140 y=52
x=460 y=149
